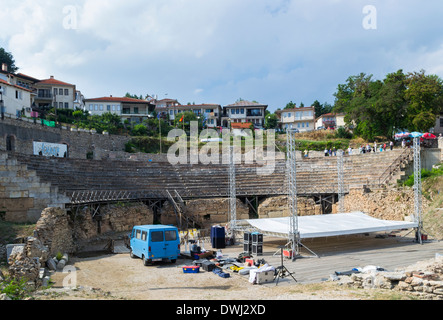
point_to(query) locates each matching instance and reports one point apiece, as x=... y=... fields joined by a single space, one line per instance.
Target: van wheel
x=146 y=262
x=132 y=255
x=173 y=260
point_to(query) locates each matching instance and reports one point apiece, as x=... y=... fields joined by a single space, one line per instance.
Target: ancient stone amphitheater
x=31 y=183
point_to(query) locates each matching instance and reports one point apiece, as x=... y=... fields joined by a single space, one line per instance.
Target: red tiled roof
x=195 y=105
x=244 y=103
x=118 y=99
x=53 y=81
x=13 y=85
x=241 y=125
x=295 y=109
x=22 y=75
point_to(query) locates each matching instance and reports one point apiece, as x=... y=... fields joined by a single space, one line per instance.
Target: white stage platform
x=328 y=225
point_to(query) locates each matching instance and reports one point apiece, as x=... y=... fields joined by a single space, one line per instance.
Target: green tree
x=6 y=57
x=188 y=116
x=424 y=95
x=399 y=102
x=290 y=105
x=321 y=109
x=271 y=121
x=139 y=130
x=133 y=96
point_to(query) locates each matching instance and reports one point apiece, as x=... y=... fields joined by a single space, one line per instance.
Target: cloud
x=272 y=51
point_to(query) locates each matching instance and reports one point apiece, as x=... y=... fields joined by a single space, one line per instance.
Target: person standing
x=391 y=145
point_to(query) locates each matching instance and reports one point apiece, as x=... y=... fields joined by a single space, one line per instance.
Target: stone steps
x=191 y=180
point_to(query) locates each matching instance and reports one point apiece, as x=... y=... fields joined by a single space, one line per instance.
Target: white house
x=53 y=92
x=134 y=110
x=14 y=99
x=208 y=113
x=244 y=112
x=302 y=119
x=330 y=121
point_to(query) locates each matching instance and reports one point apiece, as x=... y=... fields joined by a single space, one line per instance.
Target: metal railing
x=406 y=155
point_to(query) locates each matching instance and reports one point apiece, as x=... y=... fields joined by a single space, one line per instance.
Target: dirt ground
x=117 y=276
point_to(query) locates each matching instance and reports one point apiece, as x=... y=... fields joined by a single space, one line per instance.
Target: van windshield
x=156 y=236
x=170 y=235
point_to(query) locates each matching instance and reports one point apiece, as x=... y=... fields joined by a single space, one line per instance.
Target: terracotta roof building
x=244 y=111
x=133 y=110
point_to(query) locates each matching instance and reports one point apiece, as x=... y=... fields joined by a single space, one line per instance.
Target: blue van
x=155 y=243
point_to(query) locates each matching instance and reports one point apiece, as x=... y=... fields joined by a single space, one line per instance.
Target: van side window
x=170 y=235
x=157 y=236
x=137 y=234
x=144 y=235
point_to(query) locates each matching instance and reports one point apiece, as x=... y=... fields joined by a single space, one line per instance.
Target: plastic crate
x=191 y=269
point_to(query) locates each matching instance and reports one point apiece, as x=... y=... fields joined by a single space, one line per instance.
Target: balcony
x=45 y=96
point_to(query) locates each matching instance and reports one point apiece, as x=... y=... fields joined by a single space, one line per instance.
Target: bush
x=139 y=130
x=321 y=145
x=342 y=133
x=14 y=289
x=425 y=174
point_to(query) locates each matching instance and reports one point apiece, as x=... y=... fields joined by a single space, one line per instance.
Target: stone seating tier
x=194 y=181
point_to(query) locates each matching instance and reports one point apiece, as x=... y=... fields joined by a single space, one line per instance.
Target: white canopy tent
x=329 y=225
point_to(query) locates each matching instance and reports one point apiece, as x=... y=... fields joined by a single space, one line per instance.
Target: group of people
x=362 y=149
x=375 y=147
x=330 y=152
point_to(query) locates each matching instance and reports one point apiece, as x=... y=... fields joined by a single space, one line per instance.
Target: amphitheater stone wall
x=80 y=143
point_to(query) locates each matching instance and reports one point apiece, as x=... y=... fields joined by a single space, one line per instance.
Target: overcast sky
x=217 y=51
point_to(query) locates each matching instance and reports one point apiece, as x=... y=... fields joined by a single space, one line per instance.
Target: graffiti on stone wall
x=50 y=149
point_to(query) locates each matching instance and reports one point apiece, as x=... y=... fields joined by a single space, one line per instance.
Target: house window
x=441 y=122
x=60 y=105
x=108 y=107
x=66 y=105
x=96 y=107
x=289 y=114
x=113 y=107
x=66 y=92
x=91 y=107
x=60 y=92
x=55 y=91
x=135 y=110
x=242 y=111
x=101 y=107
x=118 y=107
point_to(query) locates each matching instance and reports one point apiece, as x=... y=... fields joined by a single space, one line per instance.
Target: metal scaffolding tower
x=232 y=192
x=340 y=180
x=291 y=162
x=417 y=188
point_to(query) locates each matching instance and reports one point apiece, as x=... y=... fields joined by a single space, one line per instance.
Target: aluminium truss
x=341 y=184
x=232 y=192
x=417 y=188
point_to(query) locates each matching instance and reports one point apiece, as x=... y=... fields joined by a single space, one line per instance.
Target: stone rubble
x=424 y=279
x=33 y=264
